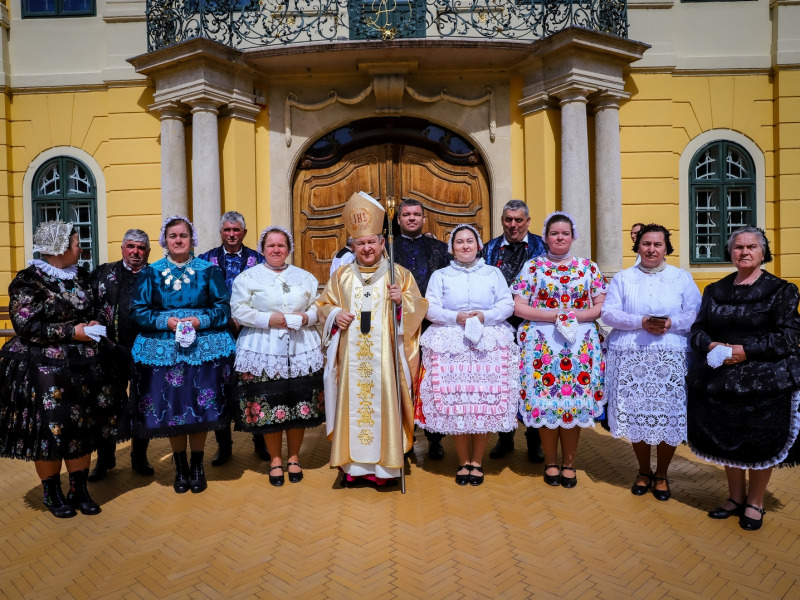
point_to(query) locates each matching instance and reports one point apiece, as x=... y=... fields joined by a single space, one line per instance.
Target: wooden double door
x=451 y=194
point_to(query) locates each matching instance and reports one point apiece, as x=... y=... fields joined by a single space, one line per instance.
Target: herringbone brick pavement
x=513 y=537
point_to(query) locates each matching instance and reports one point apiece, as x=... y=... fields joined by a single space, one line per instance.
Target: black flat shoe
x=662 y=495
x=435 y=450
x=641 y=490
x=569 y=482
x=276 y=480
x=724 y=513
x=749 y=523
x=476 y=479
x=295 y=477
x=463 y=479
x=554 y=480
x=222 y=456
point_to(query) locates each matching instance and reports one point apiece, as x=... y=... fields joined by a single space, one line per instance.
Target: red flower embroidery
x=562 y=317
x=522 y=336
x=562 y=267
x=523 y=393
x=567 y=417
x=578 y=304
x=583 y=378
x=564 y=279
x=548 y=379
x=549 y=272
x=537 y=364
x=552 y=303
x=598 y=395
x=566 y=364
x=564 y=298
x=542 y=294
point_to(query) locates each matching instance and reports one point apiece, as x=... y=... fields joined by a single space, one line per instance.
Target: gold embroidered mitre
x=363 y=216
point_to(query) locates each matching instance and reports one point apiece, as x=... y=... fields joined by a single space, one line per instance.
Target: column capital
x=537 y=102
x=169 y=109
x=608 y=99
x=572 y=93
x=205 y=102
x=241 y=109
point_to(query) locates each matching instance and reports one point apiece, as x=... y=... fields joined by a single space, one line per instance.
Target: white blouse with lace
x=277 y=352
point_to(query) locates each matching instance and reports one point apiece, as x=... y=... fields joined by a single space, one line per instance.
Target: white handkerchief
x=185 y=333
x=293 y=321
x=95 y=332
x=473 y=329
x=718 y=355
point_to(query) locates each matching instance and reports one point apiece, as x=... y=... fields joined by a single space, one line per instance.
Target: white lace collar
x=478 y=264
x=69 y=273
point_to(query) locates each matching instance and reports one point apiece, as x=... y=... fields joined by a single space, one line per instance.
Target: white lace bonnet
x=52 y=238
x=162 y=237
x=464 y=226
x=270 y=229
x=562 y=214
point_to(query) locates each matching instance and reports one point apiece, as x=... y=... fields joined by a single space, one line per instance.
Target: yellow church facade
x=681 y=113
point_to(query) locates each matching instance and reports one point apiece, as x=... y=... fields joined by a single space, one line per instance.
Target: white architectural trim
x=100 y=183
x=688 y=153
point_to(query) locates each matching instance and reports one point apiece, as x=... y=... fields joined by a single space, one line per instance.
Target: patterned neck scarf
x=512 y=257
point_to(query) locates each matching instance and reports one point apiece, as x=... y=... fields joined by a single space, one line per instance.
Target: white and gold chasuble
x=365 y=427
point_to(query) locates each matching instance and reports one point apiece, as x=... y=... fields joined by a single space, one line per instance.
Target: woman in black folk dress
x=53 y=402
x=743 y=415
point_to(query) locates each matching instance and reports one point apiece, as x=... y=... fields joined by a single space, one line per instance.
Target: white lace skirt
x=646 y=393
x=469 y=388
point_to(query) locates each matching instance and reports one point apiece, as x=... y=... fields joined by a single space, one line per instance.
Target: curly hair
x=654 y=227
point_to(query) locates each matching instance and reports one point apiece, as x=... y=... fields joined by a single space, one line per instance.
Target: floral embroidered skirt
x=269 y=405
x=53 y=410
x=181 y=399
x=468 y=388
x=646 y=393
x=562 y=382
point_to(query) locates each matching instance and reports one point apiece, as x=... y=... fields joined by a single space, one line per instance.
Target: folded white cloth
x=185 y=334
x=95 y=332
x=293 y=321
x=718 y=355
x=567 y=325
x=473 y=329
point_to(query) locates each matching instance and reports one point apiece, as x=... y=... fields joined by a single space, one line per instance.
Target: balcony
x=247 y=24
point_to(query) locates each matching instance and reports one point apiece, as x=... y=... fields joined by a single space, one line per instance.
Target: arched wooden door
x=413 y=159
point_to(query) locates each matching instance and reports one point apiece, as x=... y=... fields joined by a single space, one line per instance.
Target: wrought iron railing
x=246 y=24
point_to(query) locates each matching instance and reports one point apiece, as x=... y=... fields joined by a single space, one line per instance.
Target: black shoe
x=346 y=483
x=554 y=480
x=54 y=500
x=749 y=523
x=78 y=496
x=260 y=447
x=139 y=462
x=181 y=483
x=197 y=474
x=724 y=513
x=569 y=482
x=295 y=477
x=464 y=479
x=504 y=445
x=435 y=450
x=277 y=480
x=476 y=479
x=641 y=490
x=100 y=471
x=535 y=452
x=662 y=495
x=222 y=456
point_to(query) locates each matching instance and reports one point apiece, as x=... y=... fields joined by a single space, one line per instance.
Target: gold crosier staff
x=398 y=337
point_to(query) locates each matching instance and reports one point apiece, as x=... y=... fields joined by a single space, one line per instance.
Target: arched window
x=722 y=197
x=63 y=188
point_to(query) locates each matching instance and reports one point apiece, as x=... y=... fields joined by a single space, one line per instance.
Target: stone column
x=174 y=191
x=206 y=195
x=575 y=196
x=608 y=185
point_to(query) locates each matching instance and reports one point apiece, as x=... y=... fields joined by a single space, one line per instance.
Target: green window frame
x=722 y=192
x=64 y=188
x=36 y=9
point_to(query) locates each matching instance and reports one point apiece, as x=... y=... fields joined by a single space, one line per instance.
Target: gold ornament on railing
x=380 y=21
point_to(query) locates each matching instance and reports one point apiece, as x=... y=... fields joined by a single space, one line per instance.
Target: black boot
x=260 y=447
x=435 y=450
x=535 y=453
x=224 y=446
x=181 y=485
x=78 y=495
x=197 y=473
x=54 y=500
x=139 y=462
x=106 y=460
x=504 y=445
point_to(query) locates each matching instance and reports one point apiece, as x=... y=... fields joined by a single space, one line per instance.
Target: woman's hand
x=194 y=321
x=304 y=316
x=656 y=326
x=461 y=318
x=477 y=313
x=395 y=293
x=343 y=319
x=79 y=335
x=738 y=355
x=277 y=320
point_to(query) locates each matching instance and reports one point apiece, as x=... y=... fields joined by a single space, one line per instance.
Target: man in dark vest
x=233 y=257
x=509 y=253
x=113 y=284
x=422 y=255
